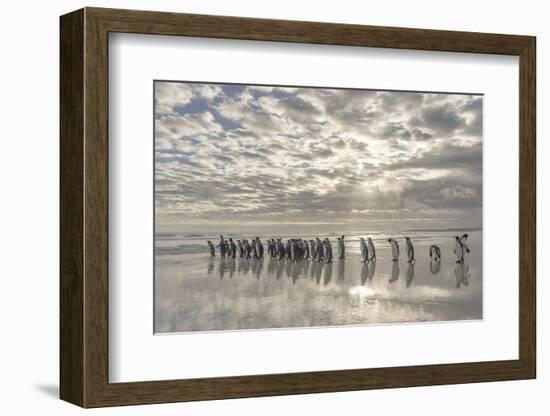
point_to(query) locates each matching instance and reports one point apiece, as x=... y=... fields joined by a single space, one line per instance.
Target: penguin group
x=409 y=250
x=298 y=249
x=368 y=252
x=293 y=249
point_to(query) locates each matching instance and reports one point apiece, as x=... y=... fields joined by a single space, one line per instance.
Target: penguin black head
x=457 y=237
x=389 y=240
x=464 y=235
x=407 y=238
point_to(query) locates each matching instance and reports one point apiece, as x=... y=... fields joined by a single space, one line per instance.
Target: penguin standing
x=339 y=247
x=463 y=241
x=288 y=251
x=233 y=248
x=301 y=252
x=328 y=251
x=435 y=253
x=372 y=251
x=394 y=249
x=306 y=250
x=459 y=250
x=212 y=248
x=410 y=250
x=248 y=249
x=364 y=250
x=312 y=251
x=320 y=253
x=342 y=247
x=221 y=245
x=254 y=248
x=280 y=249
x=293 y=249
x=260 y=248
x=241 y=250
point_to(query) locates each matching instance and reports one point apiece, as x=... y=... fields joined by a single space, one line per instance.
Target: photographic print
x=296 y=207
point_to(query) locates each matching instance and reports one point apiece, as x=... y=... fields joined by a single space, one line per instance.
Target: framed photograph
x=255 y=207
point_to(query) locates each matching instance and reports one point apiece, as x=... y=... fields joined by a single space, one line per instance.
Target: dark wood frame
x=84 y=207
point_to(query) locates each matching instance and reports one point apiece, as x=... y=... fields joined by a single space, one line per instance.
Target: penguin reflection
x=327 y=275
x=210 y=266
x=306 y=267
x=318 y=272
x=462 y=274
x=364 y=273
x=313 y=270
x=288 y=269
x=279 y=270
x=232 y=267
x=295 y=272
x=341 y=270
x=409 y=273
x=240 y=267
x=371 y=269
x=271 y=264
x=435 y=266
x=259 y=268
x=221 y=268
x=394 y=272
x=246 y=265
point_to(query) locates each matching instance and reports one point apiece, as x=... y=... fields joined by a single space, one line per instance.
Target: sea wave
x=181 y=249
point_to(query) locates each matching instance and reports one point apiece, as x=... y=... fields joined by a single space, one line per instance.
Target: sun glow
x=362 y=292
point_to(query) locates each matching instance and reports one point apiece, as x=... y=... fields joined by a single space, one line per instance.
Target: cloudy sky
x=256 y=155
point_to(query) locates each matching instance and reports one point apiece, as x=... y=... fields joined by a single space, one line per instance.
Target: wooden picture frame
x=84 y=207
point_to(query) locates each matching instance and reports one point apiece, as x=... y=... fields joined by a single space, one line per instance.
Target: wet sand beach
x=196 y=292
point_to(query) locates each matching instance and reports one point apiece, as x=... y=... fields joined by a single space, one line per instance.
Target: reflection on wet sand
x=435 y=266
x=328 y=274
x=232 y=267
x=409 y=273
x=394 y=272
x=318 y=270
x=341 y=269
x=202 y=293
x=462 y=274
x=371 y=269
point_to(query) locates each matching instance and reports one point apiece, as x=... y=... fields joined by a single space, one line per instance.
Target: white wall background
x=29 y=207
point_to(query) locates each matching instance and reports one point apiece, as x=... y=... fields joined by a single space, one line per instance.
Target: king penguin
x=394 y=249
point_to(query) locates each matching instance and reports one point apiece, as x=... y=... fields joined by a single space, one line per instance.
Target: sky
x=246 y=155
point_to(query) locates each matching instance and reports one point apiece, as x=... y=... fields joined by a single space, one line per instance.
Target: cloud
x=228 y=153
